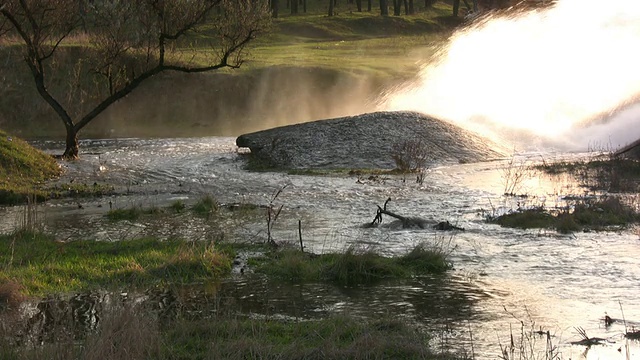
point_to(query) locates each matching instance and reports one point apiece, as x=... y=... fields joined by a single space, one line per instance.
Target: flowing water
x=501 y=277
x=542 y=72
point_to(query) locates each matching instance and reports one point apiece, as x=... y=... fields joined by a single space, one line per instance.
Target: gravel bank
x=365 y=141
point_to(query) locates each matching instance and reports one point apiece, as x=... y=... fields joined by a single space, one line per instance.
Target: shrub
x=410 y=155
x=206 y=206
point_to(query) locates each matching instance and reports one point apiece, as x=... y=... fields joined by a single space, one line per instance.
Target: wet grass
x=80 y=190
x=131 y=333
x=206 y=206
x=603 y=172
x=178 y=206
x=336 y=337
x=352 y=267
x=40 y=265
x=23 y=169
x=605 y=213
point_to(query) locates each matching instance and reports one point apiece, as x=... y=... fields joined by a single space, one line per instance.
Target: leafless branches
x=410 y=155
x=129 y=41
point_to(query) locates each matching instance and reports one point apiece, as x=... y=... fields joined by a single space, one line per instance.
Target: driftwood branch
x=409 y=222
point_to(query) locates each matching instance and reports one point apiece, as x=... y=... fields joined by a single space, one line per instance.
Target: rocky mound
x=365 y=141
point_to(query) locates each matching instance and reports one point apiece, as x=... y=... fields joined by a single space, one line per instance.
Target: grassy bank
x=22 y=170
x=351 y=267
x=127 y=333
x=38 y=264
x=606 y=213
x=603 y=172
x=309 y=67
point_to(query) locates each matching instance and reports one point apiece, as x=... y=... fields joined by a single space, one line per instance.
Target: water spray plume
x=545 y=72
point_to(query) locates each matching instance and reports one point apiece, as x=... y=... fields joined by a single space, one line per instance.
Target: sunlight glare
x=543 y=72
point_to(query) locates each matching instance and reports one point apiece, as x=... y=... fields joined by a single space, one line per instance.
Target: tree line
x=410 y=6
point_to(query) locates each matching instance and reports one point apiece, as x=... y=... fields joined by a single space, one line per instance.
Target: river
x=501 y=276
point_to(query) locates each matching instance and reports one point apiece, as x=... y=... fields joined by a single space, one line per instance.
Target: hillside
x=310 y=66
x=22 y=169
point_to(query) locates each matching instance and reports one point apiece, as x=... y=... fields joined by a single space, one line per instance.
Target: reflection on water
x=501 y=277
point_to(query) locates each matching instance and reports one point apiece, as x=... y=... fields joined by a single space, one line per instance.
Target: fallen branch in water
x=586 y=340
x=410 y=222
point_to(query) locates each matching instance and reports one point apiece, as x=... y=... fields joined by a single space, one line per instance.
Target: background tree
x=274 y=8
x=384 y=8
x=397 y=6
x=129 y=42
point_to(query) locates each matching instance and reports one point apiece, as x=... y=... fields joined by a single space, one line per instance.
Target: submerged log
x=411 y=222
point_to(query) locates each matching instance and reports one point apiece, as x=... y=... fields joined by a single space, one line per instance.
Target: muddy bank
x=366 y=141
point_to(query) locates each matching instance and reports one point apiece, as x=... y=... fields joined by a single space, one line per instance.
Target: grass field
x=302 y=69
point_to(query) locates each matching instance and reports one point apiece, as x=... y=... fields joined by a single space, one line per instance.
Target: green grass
x=74 y=190
x=352 y=267
x=605 y=172
x=588 y=214
x=177 y=206
x=41 y=265
x=23 y=170
x=131 y=333
x=357 y=42
x=129 y=214
x=206 y=206
x=336 y=337
x=340 y=54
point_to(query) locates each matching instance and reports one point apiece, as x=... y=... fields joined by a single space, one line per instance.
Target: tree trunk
x=359 y=5
x=396 y=7
x=412 y=9
x=369 y=5
x=456 y=7
x=71 y=149
x=384 y=8
x=304 y=6
x=406 y=7
x=331 y=7
x=294 y=7
x=274 y=8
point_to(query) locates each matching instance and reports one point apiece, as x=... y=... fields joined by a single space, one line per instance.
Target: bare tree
x=131 y=41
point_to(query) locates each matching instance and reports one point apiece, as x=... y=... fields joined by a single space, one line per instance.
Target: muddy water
x=501 y=277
